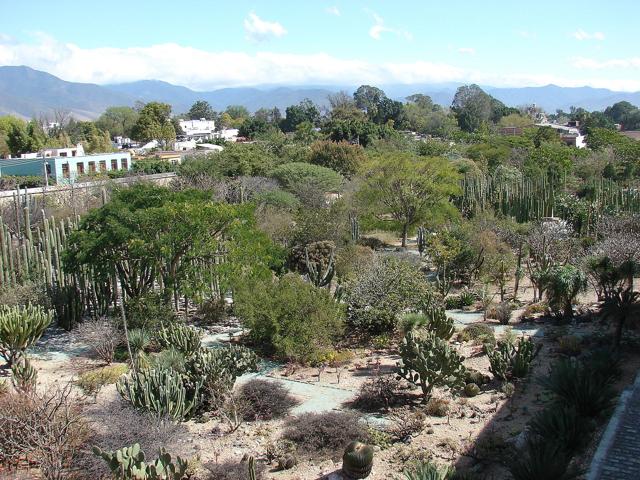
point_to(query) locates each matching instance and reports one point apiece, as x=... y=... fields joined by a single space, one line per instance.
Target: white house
x=77 y=151
x=198 y=129
x=229 y=134
x=569 y=134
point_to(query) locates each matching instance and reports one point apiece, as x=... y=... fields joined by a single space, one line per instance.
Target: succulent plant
x=357 y=460
x=471 y=389
x=184 y=338
x=24 y=375
x=20 y=328
x=508 y=360
x=128 y=464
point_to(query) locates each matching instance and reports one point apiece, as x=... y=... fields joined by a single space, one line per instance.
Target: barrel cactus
x=357 y=460
x=471 y=389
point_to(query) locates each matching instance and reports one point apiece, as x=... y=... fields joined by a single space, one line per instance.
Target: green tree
x=563 y=283
x=154 y=123
x=201 y=109
x=342 y=157
x=296 y=176
x=118 y=121
x=305 y=111
x=409 y=190
x=474 y=108
x=368 y=99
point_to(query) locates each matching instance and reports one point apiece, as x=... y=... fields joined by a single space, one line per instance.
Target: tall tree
x=305 y=111
x=154 y=123
x=472 y=106
x=368 y=99
x=201 y=109
x=408 y=190
x=118 y=121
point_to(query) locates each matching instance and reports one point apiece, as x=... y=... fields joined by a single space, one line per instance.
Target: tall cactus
x=252 y=469
x=422 y=240
x=354 y=226
x=316 y=274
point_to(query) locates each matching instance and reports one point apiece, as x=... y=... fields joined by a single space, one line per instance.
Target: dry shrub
x=101 y=335
x=405 y=423
x=91 y=382
x=46 y=430
x=234 y=470
x=324 y=432
x=115 y=425
x=437 y=407
x=266 y=400
x=379 y=392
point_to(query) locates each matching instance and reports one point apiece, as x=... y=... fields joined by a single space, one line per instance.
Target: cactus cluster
x=161 y=392
x=508 y=360
x=128 y=463
x=357 y=460
x=438 y=322
x=20 y=328
x=184 y=338
x=23 y=375
x=428 y=361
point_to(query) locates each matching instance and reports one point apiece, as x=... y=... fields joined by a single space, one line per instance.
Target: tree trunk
x=405 y=230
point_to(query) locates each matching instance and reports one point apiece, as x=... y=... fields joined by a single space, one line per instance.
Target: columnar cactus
x=355 y=228
x=252 y=469
x=428 y=362
x=21 y=328
x=357 y=460
x=421 y=240
x=184 y=338
x=507 y=360
x=24 y=375
x=317 y=275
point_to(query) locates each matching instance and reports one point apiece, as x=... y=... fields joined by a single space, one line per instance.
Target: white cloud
x=467 y=50
x=378 y=28
x=333 y=11
x=582 y=35
x=259 y=30
x=202 y=69
x=592 y=64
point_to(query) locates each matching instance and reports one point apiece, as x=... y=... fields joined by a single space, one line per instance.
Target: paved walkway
x=618 y=455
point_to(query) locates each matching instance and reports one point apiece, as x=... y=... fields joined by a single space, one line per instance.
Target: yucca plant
x=429 y=471
x=542 y=459
x=564 y=425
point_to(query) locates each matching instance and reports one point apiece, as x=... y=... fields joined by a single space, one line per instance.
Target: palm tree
x=619 y=308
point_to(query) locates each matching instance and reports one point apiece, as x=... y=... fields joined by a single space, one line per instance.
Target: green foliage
x=91 y=382
x=428 y=471
x=154 y=123
x=479 y=332
x=21 y=328
x=508 y=360
x=184 y=338
x=342 y=157
x=68 y=304
x=562 y=284
x=433 y=319
x=128 y=463
x=118 y=121
x=297 y=176
x=290 y=318
x=563 y=425
x=160 y=392
x=582 y=386
x=430 y=362
x=357 y=460
x=408 y=190
x=381 y=292
x=542 y=459
x=318 y=276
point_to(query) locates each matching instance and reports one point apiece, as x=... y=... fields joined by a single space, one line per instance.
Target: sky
x=209 y=44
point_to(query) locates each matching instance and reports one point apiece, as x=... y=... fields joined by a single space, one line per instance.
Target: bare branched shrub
x=324 y=432
x=116 y=424
x=405 y=423
x=101 y=335
x=43 y=429
x=379 y=392
x=234 y=470
x=266 y=400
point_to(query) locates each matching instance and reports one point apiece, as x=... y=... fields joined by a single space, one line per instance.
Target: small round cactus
x=471 y=389
x=357 y=460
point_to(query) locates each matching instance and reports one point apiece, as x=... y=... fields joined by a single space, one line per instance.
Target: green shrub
x=21 y=328
x=434 y=319
x=542 y=460
x=562 y=284
x=577 y=385
x=563 y=425
x=91 y=382
x=379 y=294
x=148 y=312
x=290 y=318
x=328 y=432
x=478 y=332
x=570 y=345
x=502 y=313
x=296 y=175
x=453 y=302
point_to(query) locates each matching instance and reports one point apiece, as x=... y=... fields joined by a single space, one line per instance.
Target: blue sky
x=209 y=44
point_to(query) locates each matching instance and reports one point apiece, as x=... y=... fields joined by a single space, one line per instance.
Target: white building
x=569 y=134
x=229 y=134
x=198 y=129
x=77 y=151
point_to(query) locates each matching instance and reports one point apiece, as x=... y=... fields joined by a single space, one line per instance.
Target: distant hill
x=30 y=93
x=27 y=93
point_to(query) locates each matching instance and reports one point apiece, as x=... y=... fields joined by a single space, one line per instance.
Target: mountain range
x=28 y=93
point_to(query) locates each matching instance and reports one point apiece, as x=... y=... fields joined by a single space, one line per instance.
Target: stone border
x=606 y=441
